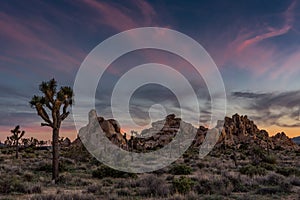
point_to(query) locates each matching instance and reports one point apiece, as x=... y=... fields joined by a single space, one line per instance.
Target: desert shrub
x=287 y=171
x=177 y=196
x=202 y=165
x=215 y=185
x=77 y=153
x=271 y=159
x=238 y=185
x=28 y=155
x=180 y=170
x=28 y=176
x=64 y=179
x=191 y=196
x=95 y=189
x=67 y=179
x=13 y=185
x=29 y=150
x=107 y=182
x=242 y=156
x=251 y=170
x=268 y=166
x=214 y=197
x=105 y=171
x=32 y=188
x=7 y=151
x=256 y=150
x=283 y=187
x=44 y=166
x=9 y=185
x=295 y=181
x=94 y=161
x=64 y=166
x=123 y=192
x=153 y=186
x=271 y=179
x=182 y=185
x=71 y=196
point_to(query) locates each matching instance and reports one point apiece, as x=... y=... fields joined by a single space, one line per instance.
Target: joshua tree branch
x=64 y=116
x=48 y=105
x=45 y=124
x=41 y=112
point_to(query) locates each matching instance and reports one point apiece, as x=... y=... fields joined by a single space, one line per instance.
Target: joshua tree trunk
x=17 y=149
x=55 y=154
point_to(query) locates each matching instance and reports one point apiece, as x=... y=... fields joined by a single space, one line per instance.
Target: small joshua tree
x=56 y=103
x=17 y=135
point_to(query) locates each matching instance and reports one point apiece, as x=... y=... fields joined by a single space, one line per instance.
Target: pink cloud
x=119 y=17
x=271 y=31
x=246 y=51
x=29 y=40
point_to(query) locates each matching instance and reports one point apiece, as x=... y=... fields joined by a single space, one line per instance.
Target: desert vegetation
x=274 y=176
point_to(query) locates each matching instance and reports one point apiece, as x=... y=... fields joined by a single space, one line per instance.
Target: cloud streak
x=275 y=108
x=273 y=32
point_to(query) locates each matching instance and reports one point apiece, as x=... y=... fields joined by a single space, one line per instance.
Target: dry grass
x=214 y=177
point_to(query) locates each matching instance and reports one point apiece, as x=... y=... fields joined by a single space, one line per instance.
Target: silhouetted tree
x=57 y=104
x=30 y=142
x=17 y=135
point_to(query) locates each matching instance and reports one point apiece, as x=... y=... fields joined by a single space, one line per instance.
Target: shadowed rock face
x=236 y=131
x=241 y=130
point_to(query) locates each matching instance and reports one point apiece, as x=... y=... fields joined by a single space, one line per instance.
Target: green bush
x=105 y=171
x=217 y=185
x=271 y=159
x=13 y=185
x=182 y=185
x=287 y=171
x=251 y=170
x=180 y=170
x=284 y=188
x=70 y=196
x=153 y=186
x=47 y=167
x=268 y=166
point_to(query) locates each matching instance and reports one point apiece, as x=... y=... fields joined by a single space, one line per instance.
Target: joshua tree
x=56 y=103
x=17 y=135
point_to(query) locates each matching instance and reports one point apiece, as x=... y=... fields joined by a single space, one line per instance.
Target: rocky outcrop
x=240 y=130
x=237 y=131
x=282 y=140
x=109 y=127
x=160 y=134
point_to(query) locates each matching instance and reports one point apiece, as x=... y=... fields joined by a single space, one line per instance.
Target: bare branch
x=45 y=124
x=64 y=116
x=41 y=112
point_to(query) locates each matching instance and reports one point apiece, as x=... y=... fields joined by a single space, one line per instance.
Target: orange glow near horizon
x=41 y=133
x=45 y=133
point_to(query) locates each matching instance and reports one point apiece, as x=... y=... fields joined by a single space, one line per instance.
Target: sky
x=255 y=45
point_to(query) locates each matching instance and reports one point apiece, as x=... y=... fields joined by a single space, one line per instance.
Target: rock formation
x=237 y=131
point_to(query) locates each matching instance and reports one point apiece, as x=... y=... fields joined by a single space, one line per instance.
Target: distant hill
x=296 y=140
